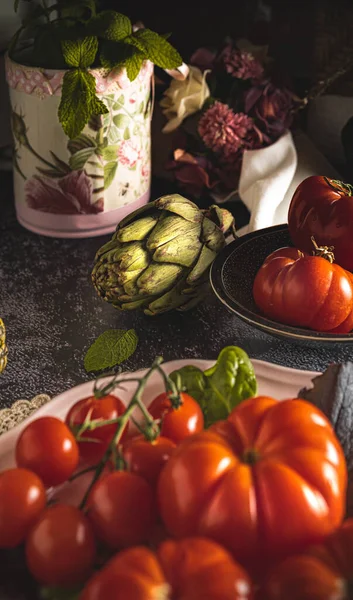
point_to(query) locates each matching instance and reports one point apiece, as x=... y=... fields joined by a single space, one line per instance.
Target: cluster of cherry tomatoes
x=61 y=540
x=251 y=507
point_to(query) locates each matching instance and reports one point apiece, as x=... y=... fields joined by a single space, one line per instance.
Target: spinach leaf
x=222 y=387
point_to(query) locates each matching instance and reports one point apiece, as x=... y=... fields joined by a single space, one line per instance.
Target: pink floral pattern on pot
x=104 y=169
x=68 y=195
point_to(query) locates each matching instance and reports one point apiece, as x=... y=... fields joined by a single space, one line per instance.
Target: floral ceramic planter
x=81 y=187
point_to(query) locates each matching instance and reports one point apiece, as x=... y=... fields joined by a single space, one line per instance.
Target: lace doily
x=21 y=409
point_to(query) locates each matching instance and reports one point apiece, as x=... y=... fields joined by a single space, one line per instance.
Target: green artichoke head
x=159 y=256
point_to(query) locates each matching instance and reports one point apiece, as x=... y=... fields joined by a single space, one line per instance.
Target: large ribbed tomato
x=323 y=208
x=191 y=569
x=326 y=573
x=266 y=482
x=305 y=291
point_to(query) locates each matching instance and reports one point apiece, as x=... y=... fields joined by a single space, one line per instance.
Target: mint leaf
x=133 y=64
x=110 y=349
x=110 y=25
x=156 y=48
x=109 y=173
x=80 y=53
x=78 y=101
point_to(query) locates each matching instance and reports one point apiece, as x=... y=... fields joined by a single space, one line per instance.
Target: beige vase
x=81 y=187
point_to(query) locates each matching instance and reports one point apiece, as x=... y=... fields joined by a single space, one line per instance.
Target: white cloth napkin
x=265 y=177
x=271 y=175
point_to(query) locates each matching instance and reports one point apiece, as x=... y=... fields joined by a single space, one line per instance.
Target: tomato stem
x=172 y=390
x=83 y=472
x=340 y=186
x=325 y=252
x=136 y=401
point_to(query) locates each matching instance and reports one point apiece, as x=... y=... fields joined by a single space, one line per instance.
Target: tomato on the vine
x=121 y=508
x=96 y=441
x=22 y=499
x=47 y=447
x=60 y=548
x=177 y=423
x=147 y=458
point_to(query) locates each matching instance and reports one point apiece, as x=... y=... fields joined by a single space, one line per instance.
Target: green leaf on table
x=155 y=48
x=78 y=101
x=110 y=25
x=80 y=53
x=110 y=152
x=79 y=159
x=109 y=173
x=110 y=349
x=121 y=121
x=222 y=387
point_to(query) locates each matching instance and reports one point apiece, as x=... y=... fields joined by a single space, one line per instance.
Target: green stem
x=135 y=401
x=83 y=472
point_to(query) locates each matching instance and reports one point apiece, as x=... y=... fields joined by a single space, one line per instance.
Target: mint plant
x=76 y=36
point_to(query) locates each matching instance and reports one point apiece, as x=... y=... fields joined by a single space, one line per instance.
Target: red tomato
x=60 y=549
x=47 y=447
x=190 y=569
x=323 y=208
x=269 y=480
x=106 y=408
x=324 y=572
x=121 y=508
x=178 y=423
x=22 y=499
x=305 y=291
x=148 y=458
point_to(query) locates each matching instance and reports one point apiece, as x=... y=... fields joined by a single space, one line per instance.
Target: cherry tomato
x=178 y=423
x=148 y=458
x=47 y=447
x=121 y=508
x=22 y=499
x=106 y=408
x=60 y=549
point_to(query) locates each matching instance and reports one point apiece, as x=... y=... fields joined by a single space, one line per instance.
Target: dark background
x=303 y=34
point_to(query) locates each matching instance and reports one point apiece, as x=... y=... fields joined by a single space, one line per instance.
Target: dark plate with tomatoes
x=232 y=277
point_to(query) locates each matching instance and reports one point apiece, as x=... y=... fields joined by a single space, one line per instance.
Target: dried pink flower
x=240 y=64
x=224 y=131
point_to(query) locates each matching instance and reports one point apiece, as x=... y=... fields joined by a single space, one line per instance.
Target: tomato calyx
x=250 y=456
x=339 y=186
x=325 y=252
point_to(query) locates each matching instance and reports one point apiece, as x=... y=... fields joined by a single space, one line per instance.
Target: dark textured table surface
x=53 y=314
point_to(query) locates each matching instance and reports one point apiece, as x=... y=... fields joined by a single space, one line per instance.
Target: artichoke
x=159 y=256
x=3 y=348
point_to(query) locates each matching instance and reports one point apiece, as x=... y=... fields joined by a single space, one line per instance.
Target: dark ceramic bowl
x=232 y=275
